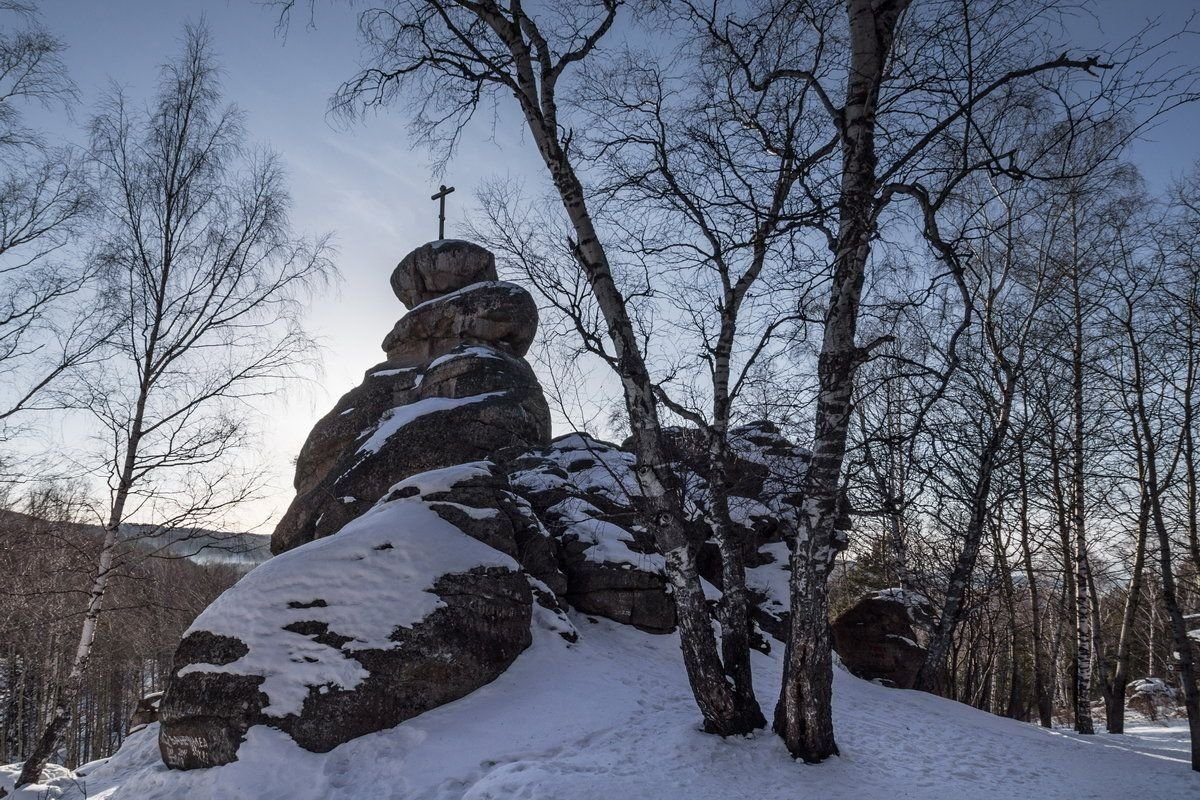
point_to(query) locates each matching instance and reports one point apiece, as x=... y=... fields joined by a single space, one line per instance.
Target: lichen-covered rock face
x=441 y=267
x=586 y=493
x=400 y=612
x=883 y=636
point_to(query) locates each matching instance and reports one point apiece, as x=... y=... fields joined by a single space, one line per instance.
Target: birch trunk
x=1083 y=603
x=716 y=697
x=1041 y=684
x=734 y=608
x=68 y=693
x=714 y=694
x=804 y=715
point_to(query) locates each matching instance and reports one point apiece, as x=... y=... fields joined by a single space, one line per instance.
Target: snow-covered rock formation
x=586 y=494
x=410 y=639
x=454 y=389
x=435 y=525
x=421 y=597
x=584 y=490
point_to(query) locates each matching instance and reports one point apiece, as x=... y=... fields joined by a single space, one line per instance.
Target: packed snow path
x=611 y=717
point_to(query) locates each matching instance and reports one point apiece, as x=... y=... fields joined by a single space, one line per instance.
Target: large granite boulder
x=510 y=525
x=492 y=313
x=400 y=612
x=586 y=493
x=441 y=267
x=763 y=464
x=762 y=490
x=883 y=637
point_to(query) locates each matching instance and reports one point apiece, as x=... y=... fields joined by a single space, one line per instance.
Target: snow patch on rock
x=375 y=575
x=403 y=415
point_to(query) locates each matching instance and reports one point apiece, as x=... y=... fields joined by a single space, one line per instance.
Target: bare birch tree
x=206 y=279
x=1153 y=314
x=44 y=198
x=1010 y=281
x=916 y=116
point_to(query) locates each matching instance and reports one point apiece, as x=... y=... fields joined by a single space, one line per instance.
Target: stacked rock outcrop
x=435 y=525
x=437 y=569
x=454 y=388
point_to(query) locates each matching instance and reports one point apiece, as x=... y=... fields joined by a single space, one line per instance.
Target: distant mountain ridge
x=200 y=545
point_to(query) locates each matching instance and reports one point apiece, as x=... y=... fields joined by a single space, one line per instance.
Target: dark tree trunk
x=1042 y=686
x=804 y=714
x=932 y=676
x=1114 y=689
x=1183 y=645
x=661 y=503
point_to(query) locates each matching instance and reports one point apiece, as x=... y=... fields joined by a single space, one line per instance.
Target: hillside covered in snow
x=611 y=717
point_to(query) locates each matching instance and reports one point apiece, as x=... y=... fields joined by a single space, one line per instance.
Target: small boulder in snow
x=1154 y=699
x=883 y=636
x=146 y=711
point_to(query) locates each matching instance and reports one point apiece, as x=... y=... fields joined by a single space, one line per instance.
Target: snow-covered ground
x=611 y=717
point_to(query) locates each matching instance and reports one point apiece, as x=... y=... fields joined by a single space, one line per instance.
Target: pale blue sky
x=364 y=183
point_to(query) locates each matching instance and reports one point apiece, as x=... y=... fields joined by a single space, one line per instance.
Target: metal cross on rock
x=443 y=190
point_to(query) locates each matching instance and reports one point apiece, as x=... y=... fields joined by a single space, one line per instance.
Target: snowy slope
x=610 y=717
